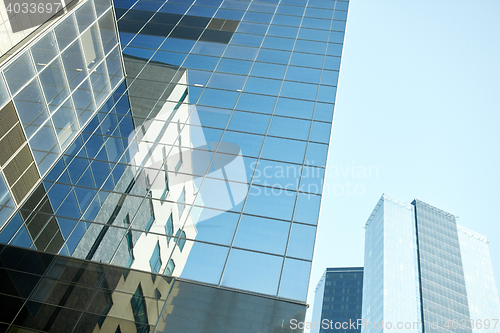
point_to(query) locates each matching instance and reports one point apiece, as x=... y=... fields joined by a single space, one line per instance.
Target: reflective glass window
x=196 y=61
x=301 y=243
x=31 y=107
x=249 y=144
x=44 y=50
x=290 y=10
x=273 y=71
x=257 y=17
x=315 y=23
x=332 y=63
x=6 y=203
x=316 y=154
x=336 y=37
x=294 y=108
x=285 y=44
x=284 y=150
x=262 y=7
x=295 y=279
x=309 y=75
x=275 y=56
x=4 y=94
x=54 y=84
x=227 y=81
x=229 y=14
x=108 y=33
x=205 y=262
x=334 y=49
x=311 y=180
x=277 y=174
x=338 y=25
x=320 y=132
x=19 y=72
x=287 y=20
x=262 y=86
x=252 y=271
x=92 y=46
x=264 y=235
x=256 y=103
x=330 y=77
x=174 y=8
x=74 y=64
x=234 y=66
x=319 y=13
x=340 y=15
x=310 y=46
x=249 y=122
x=180 y=45
x=216 y=226
x=155 y=260
x=270 y=202
x=246 y=39
x=307 y=208
x=45 y=148
x=307 y=60
x=66 y=32
x=241 y=52
x=65 y=123
x=323 y=112
x=220 y=98
x=282 y=31
x=290 y=128
x=252 y=28
x=327 y=94
x=85 y=15
x=299 y=90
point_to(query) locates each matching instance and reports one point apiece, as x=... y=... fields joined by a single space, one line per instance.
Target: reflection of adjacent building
x=156 y=189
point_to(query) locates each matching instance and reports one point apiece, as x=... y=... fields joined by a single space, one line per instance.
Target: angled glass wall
x=207 y=162
x=49 y=92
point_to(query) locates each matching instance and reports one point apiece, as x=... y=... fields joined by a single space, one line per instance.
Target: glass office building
x=162 y=164
x=421 y=272
x=338 y=300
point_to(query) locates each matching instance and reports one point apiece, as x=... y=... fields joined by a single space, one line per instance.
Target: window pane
x=273 y=203
x=284 y=150
x=295 y=279
x=19 y=73
x=44 y=50
x=264 y=235
x=252 y=271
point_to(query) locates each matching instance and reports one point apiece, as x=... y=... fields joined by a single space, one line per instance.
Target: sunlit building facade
x=425 y=273
x=162 y=163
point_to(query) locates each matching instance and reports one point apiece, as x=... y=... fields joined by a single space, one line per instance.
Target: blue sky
x=418 y=103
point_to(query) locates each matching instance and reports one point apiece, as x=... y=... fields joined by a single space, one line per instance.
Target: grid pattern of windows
x=342 y=298
x=51 y=293
x=444 y=294
x=51 y=90
x=219 y=136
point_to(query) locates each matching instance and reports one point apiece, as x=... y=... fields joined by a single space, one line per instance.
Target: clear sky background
x=419 y=101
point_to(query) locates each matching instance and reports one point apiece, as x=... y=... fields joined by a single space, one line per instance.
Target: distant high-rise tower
x=338 y=298
x=420 y=267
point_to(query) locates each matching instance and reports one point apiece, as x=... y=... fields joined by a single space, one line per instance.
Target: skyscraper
x=424 y=273
x=184 y=138
x=338 y=300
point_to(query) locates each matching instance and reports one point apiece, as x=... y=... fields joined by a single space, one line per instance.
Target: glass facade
x=51 y=293
x=338 y=300
x=442 y=282
x=181 y=137
x=481 y=288
x=391 y=292
x=425 y=273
